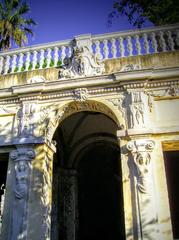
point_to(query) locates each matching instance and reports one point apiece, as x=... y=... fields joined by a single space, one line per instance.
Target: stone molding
x=146 y=85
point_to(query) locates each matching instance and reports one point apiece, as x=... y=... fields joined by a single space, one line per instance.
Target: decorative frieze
x=22 y=166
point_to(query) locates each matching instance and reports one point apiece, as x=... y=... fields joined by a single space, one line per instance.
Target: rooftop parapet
x=70 y=54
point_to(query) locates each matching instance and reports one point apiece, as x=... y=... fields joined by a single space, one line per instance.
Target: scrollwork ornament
x=14 y=154
x=130 y=146
x=31 y=153
x=150 y=145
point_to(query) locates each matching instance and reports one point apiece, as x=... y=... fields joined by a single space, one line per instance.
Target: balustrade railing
x=105 y=46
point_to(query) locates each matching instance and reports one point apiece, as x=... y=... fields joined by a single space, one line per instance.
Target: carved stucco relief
x=22 y=166
x=137 y=111
x=141 y=152
x=82 y=63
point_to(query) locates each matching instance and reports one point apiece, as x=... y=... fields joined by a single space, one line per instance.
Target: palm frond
x=14 y=26
x=24 y=8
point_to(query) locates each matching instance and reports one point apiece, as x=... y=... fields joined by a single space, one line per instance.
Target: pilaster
x=40 y=194
x=142 y=174
x=146 y=204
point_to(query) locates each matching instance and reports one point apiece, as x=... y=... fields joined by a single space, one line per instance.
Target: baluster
x=146 y=43
x=63 y=54
x=55 y=56
x=98 y=50
x=27 y=61
x=20 y=62
x=121 y=46
x=129 y=45
x=106 y=50
x=7 y=64
x=1 y=64
x=14 y=62
x=34 y=60
x=49 y=57
x=138 y=45
x=163 y=42
x=170 y=41
x=42 y=59
x=154 y=42
x=113 y=48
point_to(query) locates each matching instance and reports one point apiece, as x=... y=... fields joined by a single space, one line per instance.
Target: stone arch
x=81 y=132
x=61 y=112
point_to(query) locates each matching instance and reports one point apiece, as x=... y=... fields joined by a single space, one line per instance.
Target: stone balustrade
x=104 y=46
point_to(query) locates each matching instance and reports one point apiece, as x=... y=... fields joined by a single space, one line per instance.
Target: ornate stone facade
x=130 y=88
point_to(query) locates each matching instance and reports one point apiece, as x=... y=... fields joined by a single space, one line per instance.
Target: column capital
x=141 y=145
x=23 y=153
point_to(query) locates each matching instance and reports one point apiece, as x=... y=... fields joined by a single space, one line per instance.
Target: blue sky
x=64 y=19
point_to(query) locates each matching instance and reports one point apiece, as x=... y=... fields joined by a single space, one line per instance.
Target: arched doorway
x=87 y=188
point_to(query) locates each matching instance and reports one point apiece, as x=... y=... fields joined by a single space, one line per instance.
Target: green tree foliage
x=15 y=26
x=159 y=12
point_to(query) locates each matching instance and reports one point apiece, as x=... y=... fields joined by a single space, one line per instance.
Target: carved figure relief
x=25 y=117
x=141 y=151
x=130 y=67
x=142 y=161
x=81 y=94
x=82 y=63
x=119 y=102
x=36 y=79
x=22 y=164
x=136 y=111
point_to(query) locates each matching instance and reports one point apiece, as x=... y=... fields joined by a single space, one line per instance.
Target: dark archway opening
x=100 y=195
x=87 y=186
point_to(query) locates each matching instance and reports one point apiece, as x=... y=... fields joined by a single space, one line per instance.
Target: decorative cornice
x=65 y=89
